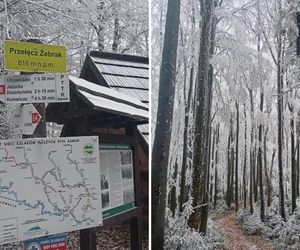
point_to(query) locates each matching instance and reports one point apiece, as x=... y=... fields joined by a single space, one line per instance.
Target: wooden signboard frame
x=134 y=215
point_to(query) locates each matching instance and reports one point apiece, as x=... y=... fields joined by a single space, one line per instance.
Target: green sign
x=117 y=210
x=34 y=57
x=88 y=149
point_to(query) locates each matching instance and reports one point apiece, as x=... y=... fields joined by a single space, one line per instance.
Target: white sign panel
x=37 y=88
x=25 y=119
x=117 y=185
x=48 y=186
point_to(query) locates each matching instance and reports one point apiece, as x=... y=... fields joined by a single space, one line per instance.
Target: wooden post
x=136 y=231
x=136 y=222
x=88 y=239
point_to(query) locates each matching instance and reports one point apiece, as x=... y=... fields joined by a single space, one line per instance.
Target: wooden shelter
x=126 y=74
x=113 y=116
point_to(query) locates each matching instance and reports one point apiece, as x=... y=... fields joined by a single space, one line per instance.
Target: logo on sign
x=35 y=117
x=34 y=246
x=88 y=149
x=35 y=231
x=2 y=89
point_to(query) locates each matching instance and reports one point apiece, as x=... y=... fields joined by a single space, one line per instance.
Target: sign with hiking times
x=117 y=179
x=36 y=88
x=34 y=57
x=48 y=186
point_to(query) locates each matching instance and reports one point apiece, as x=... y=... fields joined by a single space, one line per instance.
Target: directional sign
x=37 y=88
x=25 y=119
x=34 y=57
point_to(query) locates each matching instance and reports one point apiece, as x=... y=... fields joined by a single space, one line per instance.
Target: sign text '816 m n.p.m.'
x=34 y=57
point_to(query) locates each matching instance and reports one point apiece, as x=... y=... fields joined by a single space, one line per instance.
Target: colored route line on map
x=58 y=211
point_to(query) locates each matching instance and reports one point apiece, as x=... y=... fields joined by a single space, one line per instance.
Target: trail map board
x=48 y=186
x=116 y=177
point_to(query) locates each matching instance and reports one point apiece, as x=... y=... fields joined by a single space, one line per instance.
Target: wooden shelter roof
x=127 y=74
x=100 y=104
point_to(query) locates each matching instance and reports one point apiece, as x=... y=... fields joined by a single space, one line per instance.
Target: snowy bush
x=273 y=222
x=179 y=236
x=287 y=234
x=289 y=237
x=252 y=223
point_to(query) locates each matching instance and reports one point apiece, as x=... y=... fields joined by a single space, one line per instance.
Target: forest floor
x=235 y=236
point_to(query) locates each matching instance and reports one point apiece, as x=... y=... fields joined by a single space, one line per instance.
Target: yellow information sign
x=34 y=57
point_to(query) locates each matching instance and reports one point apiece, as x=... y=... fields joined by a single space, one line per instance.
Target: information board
x=34 y=57
x=48 y=186
x=117 y=178
x=35 y=88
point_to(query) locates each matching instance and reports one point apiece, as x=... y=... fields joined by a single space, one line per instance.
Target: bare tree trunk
x=99 y=28
x=216 y=166
x=161 y=143
x=251 y=152
x=117 y=34
x=297 y=167
x=188 y=103
x=245 y=161
x=202 y=122
x=173 y=197
x=260 y=164
x=280 y=129
x=230 y=159
x=293 y=160
x=212 y=165
x=237 y=157
x=255 y=169
x=269 y=181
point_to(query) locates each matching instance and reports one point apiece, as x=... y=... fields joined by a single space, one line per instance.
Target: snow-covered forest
x=80 y=26
x=225 y=123
x=120 y=26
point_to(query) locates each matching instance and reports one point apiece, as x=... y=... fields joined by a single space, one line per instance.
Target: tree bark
x=293 y=160
x=229 y=191
x=161 y=144
x=173 y=196
x=212 y=165
x=260 y=163
x=280 y=129
x=117 y=34
x=200 y=161
x=216 y=166
x=297 y=167
x=245 y=161
x=251 y=152
x=183 y=190
x=237 y=157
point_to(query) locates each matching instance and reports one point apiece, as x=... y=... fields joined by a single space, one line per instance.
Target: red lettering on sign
x=35 y=117
x=2 y=89
x=55 y=246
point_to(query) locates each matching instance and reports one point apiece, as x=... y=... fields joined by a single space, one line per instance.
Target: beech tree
x=160 y=154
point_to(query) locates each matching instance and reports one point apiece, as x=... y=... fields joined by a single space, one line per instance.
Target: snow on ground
x=179 y=236
x=236 y=238
x=285 y=235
